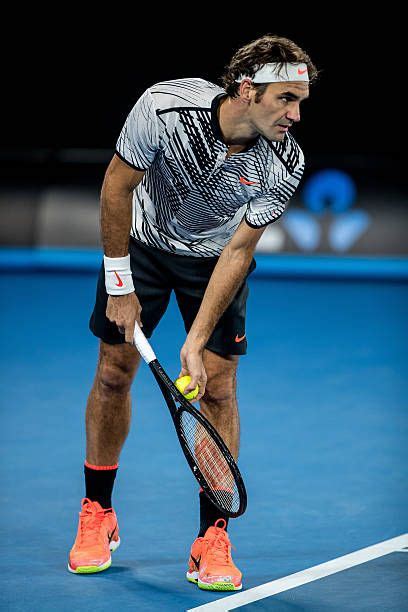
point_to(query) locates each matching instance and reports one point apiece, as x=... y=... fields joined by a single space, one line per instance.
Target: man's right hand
x=124 y=310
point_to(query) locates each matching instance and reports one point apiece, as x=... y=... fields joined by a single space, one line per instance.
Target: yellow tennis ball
x=181 y=383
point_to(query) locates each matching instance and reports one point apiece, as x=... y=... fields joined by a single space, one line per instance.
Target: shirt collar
x=215 y=122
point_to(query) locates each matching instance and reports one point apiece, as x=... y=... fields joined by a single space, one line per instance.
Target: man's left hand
x=192 y=365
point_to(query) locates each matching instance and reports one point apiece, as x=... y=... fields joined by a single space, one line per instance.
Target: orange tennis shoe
x=210 y=565
x=97 y=536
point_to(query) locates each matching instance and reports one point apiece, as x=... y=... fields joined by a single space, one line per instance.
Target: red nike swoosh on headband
x=302 y=71
x=120 y=283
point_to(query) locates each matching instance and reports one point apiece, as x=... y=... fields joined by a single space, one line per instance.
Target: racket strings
x=211 y=462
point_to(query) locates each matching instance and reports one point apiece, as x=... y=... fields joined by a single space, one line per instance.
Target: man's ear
x=245 y=88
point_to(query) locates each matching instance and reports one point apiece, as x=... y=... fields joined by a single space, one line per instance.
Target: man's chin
x=274 y=135
x=280 y=137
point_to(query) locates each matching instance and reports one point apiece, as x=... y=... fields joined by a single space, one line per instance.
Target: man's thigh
x=229 y=335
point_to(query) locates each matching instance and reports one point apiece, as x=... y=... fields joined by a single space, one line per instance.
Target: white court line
x=307 y=575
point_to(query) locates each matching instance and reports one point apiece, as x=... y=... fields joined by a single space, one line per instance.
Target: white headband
x=268 y=73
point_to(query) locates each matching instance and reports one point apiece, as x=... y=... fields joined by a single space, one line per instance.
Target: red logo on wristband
x=120 y=283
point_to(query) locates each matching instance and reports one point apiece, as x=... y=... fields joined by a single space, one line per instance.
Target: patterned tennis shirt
x=192 y=196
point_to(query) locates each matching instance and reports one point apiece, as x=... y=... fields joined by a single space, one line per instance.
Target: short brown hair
x=269 y=48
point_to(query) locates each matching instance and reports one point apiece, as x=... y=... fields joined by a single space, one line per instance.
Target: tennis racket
x=207 y=455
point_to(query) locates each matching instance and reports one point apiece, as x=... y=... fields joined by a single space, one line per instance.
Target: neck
x=234 y=123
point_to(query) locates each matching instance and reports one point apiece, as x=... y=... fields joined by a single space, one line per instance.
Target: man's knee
x=219 y=393
x=117 y=367
x=221 y=382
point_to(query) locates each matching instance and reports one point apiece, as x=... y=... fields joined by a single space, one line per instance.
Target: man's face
x=278 y=108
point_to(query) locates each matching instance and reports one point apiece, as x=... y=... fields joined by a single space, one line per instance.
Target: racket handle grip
x=143 y=345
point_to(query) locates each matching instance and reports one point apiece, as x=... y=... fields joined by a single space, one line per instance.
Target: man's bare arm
x=224 y=283
x=116 y=206
x=116 y=219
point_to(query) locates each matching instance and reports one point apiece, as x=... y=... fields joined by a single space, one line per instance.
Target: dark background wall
x=76 y=76
x=73 y=82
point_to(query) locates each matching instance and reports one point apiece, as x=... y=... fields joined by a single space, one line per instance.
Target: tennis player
x=199 y=172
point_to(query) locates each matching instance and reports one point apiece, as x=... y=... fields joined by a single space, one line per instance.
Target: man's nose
x=293 y=113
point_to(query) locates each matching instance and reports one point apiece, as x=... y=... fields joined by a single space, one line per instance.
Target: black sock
x=99 y=483
x=209 y=514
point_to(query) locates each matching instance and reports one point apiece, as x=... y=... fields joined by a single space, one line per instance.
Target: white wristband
x=118 y=275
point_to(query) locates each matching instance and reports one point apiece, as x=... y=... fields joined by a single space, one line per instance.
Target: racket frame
x=172 y=395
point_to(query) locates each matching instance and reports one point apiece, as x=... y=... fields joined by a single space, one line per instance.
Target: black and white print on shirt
x=192 y=196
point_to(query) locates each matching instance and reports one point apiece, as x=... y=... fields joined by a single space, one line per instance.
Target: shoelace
x=218 y=547
x=90 y=521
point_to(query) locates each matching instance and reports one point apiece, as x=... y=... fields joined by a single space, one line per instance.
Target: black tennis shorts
x=156 y=273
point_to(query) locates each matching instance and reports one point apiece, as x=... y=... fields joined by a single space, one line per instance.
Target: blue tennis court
x=323 y=401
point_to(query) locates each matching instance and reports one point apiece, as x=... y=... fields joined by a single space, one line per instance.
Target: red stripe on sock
x=101 y=467
x=218 y=489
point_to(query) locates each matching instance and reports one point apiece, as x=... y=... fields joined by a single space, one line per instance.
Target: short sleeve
x=269 y=207
x=139 y=139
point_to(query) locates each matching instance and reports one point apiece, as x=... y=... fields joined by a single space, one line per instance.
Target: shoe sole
x=218 y=586
x=212 y=586
x=192 y=577
x=93 y=569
